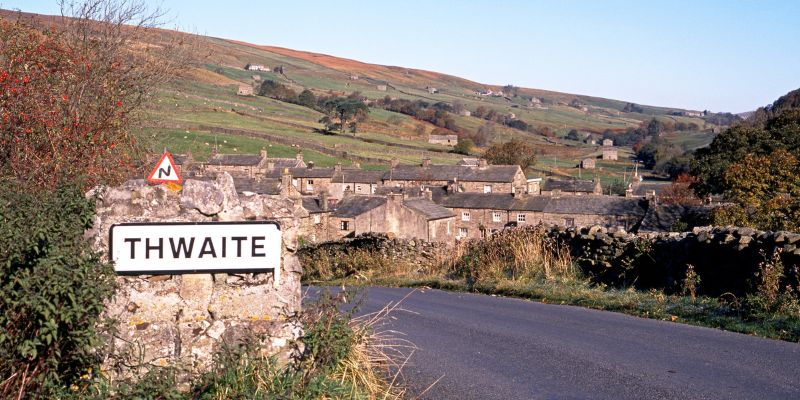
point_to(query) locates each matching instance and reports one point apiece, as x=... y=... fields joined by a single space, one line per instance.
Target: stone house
x=571 y=187
x=256 y=67
x=245 y=90
x=469 y=162
x=465 y=113
x=381 y=88
x=588 y=163
x=413 y=218
x=312 y=180
x=354 y=181
x=479 y=215
x=483 y=178
x=447 y=140
x=238 y=165
x=610 y=153
x=608 y=143
x=432 y=90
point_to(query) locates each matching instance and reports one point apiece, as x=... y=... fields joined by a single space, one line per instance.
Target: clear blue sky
x=717 y=55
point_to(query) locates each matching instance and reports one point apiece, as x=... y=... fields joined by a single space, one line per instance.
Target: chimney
x=323 y=201
x=629 y=191
x=310 y=165
x=337 y=167
x=270 y=165
x=286 y=182
x=428 y=194
x=299 y=156
x=426 y=162
x=395 y=162
x=263 y=154
x=356 y=165
x=482 y=163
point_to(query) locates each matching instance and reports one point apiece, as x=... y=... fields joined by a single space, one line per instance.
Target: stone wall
x=727 y=259
x=182 y=319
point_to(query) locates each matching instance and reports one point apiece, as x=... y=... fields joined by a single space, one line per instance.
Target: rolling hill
x=201 y=111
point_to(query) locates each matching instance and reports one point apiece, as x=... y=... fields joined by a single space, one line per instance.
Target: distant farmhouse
x=588 y=163
x=465 y=113
x=382 y=88
x=609 y=152
x=256 y=67
x=432 y=90
x=245 y=90
x=447 y=140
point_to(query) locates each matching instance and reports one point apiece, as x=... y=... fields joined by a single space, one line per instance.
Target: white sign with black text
x=174 y=248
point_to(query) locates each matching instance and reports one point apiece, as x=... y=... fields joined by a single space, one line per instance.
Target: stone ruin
x=181 y=320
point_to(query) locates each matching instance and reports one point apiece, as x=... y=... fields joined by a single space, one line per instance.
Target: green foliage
x=464 y=146
x=344 y=109
x=278 y=91
x=306 y=99
x=52 y=288
x=513 y=152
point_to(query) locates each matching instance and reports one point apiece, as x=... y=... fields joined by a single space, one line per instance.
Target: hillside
x=202 y=111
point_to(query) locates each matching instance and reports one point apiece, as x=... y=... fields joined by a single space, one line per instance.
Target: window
x=316 y=219
x=487 y=188
x=310 y=185
x=295 y=182
x=496 y=216
x=347 y=188
x=463 y=232
x=344 y=225
x=465 y=215
x=358 y=188
x=569 y=222
x=520 y=217
x=372 y=188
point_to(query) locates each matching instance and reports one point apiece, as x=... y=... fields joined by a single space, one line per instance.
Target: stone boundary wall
x=181 y=320
x=727 y=259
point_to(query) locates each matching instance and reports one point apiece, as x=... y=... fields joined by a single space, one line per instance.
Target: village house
x=381 y=88
x=416 y=218
x=469 y=161
x=610 y=154
x=346 y=181
x=479 y=215
x=447 y=140
x=245 y=90
x=571 y=187
x=482 y=178
x=431 y=90
x=608 y=143
x=465 y=113
x=256 y=67
x=588 y=163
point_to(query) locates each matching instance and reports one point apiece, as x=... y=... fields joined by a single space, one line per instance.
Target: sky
x=718 y=55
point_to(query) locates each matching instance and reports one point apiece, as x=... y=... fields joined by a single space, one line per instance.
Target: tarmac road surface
x=485 y=347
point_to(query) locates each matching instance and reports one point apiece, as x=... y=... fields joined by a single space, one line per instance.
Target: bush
x=52 y=289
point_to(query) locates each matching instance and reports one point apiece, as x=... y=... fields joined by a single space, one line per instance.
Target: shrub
x=52 y=288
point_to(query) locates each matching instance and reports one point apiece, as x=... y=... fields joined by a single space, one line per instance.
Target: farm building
x=610 y=153
x=245 y=90
x=608 y=142
x=588 y=163
x=447 y=140
x=256 y=67
x=382 y=88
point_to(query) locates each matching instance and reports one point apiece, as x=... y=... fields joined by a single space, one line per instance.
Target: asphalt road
x=485 y=347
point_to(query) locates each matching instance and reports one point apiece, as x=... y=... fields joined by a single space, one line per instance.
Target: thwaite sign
x=174 y=248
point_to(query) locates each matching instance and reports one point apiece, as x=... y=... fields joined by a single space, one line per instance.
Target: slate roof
x=490 y=173
x=428 y=209
x=180 y=159
x=236 y=160
x=642 y=188
x=312 y=205
x=357 y=176
x=312 y=172
x=353 y=206
x=569 y=185
x=265 y=186
x=469 y=161
x=663 y=217
x=595 y=205
x=281 y=163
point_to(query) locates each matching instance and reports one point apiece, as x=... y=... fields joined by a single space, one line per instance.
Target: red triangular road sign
x=165 y=171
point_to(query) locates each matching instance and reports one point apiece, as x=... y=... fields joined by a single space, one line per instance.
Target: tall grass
x=522 y=254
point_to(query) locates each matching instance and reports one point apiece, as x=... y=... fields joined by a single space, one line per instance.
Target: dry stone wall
x=181 y=320
x=727 y=259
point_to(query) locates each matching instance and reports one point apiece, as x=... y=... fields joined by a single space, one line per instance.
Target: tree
x=680 y=192
x=464 y=146
x=573 y=135
x=345 y=110
x=513 y=152
x=765 y=191
x=485 y=134
x=70 y=97
x=306 y=98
